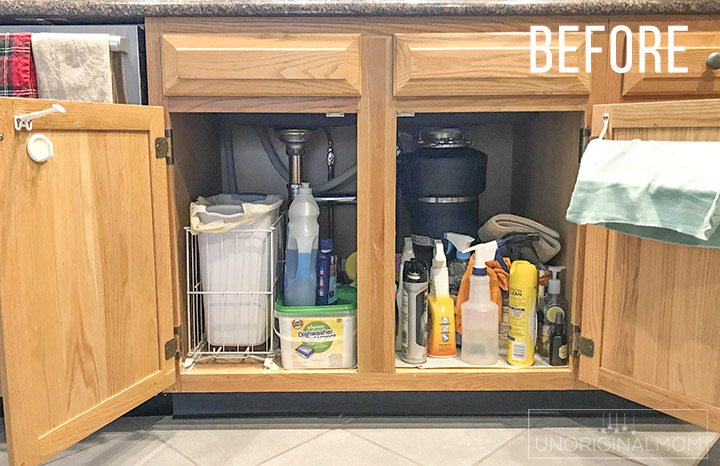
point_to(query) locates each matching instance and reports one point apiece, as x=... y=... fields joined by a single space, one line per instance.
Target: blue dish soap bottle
x=326 y=273
x=301 y=254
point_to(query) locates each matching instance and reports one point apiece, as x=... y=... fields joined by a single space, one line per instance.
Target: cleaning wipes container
x=236 y=240
x=319 y=337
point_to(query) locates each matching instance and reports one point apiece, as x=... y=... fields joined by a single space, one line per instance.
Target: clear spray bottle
x=480 y=313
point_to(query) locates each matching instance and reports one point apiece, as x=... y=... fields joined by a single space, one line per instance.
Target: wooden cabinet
x=85 y=276
x=89 y=279
x=261 y=64
x=700 y=79
x=653 y=313
x=484 y=63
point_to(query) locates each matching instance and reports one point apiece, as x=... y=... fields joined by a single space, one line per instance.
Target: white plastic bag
x=224 y=212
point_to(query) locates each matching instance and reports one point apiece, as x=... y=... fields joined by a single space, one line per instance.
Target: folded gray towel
x=502 y=224
x=73 y=66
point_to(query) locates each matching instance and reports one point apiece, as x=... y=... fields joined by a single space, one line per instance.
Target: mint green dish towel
x=662 y=190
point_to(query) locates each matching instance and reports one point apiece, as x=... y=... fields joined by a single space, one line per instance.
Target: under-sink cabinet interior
x=242 y=272
x=531 y=162
x=532 y=158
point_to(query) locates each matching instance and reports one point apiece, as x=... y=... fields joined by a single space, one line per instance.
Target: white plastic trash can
x=235 y=250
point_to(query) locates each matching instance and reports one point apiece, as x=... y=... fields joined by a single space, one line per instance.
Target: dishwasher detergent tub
x=319 y=337
x=236 y=260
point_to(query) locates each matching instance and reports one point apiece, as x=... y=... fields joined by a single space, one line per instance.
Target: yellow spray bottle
x=522 y=318
x=441 y=327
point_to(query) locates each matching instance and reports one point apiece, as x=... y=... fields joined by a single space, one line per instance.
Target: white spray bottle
x=480 y=313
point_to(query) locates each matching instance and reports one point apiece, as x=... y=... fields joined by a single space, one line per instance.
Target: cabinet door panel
x=261 y=65
x=699 y=80
x=85 y=286
x=487 y=63
x=655 y=326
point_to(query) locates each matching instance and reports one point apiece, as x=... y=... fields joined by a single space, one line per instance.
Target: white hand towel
x=73 y=66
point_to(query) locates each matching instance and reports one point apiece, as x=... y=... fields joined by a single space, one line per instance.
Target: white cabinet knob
x=40 y=148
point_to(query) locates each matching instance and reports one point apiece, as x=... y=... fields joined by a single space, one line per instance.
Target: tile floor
x=164 y=441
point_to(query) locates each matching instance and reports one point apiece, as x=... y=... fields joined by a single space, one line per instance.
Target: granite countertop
x=137 y=9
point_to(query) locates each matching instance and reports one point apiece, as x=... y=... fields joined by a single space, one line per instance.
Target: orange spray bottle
x=441 y=324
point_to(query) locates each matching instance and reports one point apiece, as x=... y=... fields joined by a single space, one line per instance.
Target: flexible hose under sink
x=272 y=155
x=280 y=168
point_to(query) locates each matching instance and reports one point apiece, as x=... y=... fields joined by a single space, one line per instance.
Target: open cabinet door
x=651 y=308
x=85 y=279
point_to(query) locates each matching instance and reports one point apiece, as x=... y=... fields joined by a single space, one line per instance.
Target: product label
x=563 y=351
x=442 y=332
x=543 y=340
x=327 y=279
x=503 y=331
x=552 y=312
x=518 y=351
x=404 y=321
x=317 y=342
x=522 y=327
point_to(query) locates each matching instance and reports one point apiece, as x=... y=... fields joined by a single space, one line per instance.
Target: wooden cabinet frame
x=376 y=108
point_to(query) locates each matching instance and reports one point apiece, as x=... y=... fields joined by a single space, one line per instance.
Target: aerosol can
x=522 y=319
x=414 y=312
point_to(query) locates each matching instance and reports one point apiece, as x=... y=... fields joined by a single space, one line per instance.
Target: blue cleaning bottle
x=326 y=273
x=302 y=248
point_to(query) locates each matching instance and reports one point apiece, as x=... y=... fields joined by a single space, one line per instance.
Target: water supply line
x=272 y=155
x=330 y=159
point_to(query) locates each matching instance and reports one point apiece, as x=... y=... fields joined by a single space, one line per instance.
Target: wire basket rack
x=233 y=281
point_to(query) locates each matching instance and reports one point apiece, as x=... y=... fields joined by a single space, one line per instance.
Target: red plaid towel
x=17 y=70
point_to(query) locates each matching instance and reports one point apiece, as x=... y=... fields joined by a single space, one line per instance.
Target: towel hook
x=25 y=121
x=606 y=124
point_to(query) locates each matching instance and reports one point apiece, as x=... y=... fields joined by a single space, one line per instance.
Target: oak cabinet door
x=484 y=63
x=652 y=308
x=85 y=280
x=701 y=78
x=261 y=64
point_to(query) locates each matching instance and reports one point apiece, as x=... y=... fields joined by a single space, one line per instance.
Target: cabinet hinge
x=584 y=141
x=164 y=148
x=580 y=345
x=172 y=346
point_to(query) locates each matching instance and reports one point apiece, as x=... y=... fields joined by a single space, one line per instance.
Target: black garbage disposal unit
x=441 y=182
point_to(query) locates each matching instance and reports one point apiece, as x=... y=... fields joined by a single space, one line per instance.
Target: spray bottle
x=441 y=325
x=522 y=318
x=457 y=266
x=480 y=313
x=407 y=254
